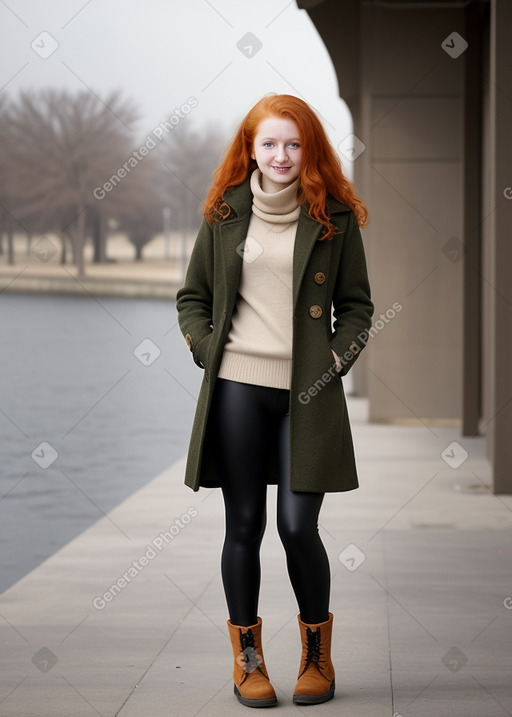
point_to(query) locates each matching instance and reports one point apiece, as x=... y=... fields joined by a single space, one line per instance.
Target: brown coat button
x=320 y=277
x=188 y=339
x=315 y=311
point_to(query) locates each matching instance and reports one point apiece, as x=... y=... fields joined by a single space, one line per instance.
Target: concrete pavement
x=129 y=618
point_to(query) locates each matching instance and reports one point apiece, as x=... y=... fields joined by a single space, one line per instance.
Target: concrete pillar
x=476 y=29
x=500 y=219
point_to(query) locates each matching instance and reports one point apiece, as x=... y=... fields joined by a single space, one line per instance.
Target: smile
x=281 y=170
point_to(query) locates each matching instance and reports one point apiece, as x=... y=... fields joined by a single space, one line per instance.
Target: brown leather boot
x=316 y=672
x=252 y=685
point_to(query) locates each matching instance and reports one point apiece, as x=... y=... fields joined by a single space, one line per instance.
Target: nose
x=281 y=154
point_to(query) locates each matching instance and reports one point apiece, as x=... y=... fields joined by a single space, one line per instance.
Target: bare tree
x=190 y=156
x=176 y=175
x=60 y=147
x=140 y=201
x=8 y=221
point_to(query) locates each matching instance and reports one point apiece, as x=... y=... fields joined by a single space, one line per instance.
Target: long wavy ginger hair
x=320 y=172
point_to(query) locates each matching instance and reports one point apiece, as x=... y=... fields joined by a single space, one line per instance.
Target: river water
x=96 y=398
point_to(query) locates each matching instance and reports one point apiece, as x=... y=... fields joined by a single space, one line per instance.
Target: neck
x=279 y=206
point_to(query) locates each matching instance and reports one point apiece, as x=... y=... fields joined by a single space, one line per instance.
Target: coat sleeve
x=352 y=305
x=194 y=300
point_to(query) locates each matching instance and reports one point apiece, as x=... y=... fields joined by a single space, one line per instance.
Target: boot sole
x=314 y=699
x=265 y=702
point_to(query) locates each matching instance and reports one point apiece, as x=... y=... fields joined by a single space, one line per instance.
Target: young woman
x=278 y=257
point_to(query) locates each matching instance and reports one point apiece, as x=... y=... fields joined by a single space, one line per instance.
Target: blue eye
x=267 y=144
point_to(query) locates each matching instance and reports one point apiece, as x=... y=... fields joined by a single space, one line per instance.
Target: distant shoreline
x=157 y=276
x=92 y=286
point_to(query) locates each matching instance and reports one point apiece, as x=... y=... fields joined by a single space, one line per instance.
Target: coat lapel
x=308 y=231
x=232 y=236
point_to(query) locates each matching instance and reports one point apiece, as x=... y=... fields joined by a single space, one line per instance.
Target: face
x=277 y=151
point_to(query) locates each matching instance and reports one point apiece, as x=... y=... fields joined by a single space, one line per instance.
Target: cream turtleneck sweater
x=258 y=349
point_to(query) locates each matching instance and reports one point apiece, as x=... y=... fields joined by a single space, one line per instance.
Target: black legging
x=246 y=418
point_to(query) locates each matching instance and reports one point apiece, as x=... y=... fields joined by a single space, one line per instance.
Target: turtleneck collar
x=279 y=207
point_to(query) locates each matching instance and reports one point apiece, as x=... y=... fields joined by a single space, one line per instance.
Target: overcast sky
x=224 y=53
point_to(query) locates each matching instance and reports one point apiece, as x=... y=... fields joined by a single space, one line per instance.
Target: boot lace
x=313 y=647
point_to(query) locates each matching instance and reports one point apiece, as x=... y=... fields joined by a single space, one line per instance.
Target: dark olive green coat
x=330 y=275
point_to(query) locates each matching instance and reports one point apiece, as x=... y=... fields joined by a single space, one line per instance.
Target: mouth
x=281 y=170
